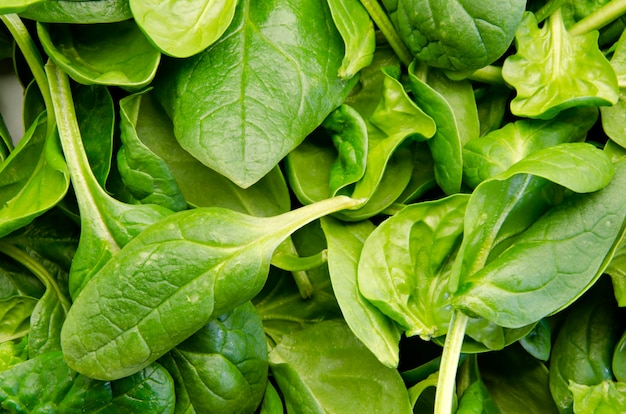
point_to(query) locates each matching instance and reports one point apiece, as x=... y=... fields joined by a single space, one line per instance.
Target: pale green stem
x=491 y=75
x=600 y=18
x=446 y=383
x=381 y=19
x=28 y=48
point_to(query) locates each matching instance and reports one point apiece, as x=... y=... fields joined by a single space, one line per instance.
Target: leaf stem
x=491 y=75
x=35 y=268
x=600 y=18
x=381 y=19
x=28 y=48
x=444 y=397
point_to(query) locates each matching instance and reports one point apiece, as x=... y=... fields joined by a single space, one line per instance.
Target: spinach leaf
x=404 y=264
x=16 y=6
x=33 y=178
x=584 y=356
x=553 y=70
x=580 y=233
x=191 y=26
x=170 y=280
x=495 y=152
x=12 y=353
x=46 y=383
x=222 y=367
x=272 y=403
x=618 y=363
x=71 y=11
x=612 y=116
x=310 y=367
x=538 y=342
x=146 y=176
x=269 y=196
x=357 y=31
x=130 y=60
x=258 y=91
x=460 y=35
x=345 y=243
x=15 y=314
x=607 y=397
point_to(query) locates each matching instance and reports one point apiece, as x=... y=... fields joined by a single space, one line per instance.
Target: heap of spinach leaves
x=314 y=206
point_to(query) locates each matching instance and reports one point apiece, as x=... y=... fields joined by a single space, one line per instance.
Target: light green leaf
x=79 y=12
x=111 y=54
x=183 y=29
x=553 y=70
x=357 y=31
x=378 y=332
x=15 y=316
x=608 y=397
x=314 y=366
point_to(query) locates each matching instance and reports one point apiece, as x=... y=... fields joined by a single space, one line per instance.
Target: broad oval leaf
x=553 y=70
x=461 y=35
x=182 y=29
x=260 y=90
x=110 y=54
x=168 y=282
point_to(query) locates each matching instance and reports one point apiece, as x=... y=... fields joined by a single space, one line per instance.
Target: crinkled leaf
x=462 y=35
x=110 y=54
x=404 y=264
x=613 y=117
x=183 y=29
x=377 y=331
x=222 y=367
x=313 y=366
x=12 y=353
x=553 y=70
x=608 y=397
x=495 y=152
x=170 y=280
x=258 y=91
x=357 y=31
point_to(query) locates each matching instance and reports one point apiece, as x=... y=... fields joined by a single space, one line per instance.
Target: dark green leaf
x=223 y=367
x=460 y=35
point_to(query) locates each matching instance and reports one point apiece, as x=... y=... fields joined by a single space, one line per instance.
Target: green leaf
x=553 y=70
x=146 y=176
x=404 y=264
x=272 y=403
x=497 y=151
x=192 y=26
x=267 y=197
x=583 y=348
x=564 y=251
x=265 y=85
x=110 y=54
x=15 y=317
x=81 y=12
x=378 y=332
x=314 y=366
x=607 y=397
x=618 y=364
x=222 y=367
x=538 y=342
x=12 y=353
x=613 y=120
x=445 y=145
x=357 y=31
x=170 y=280
x=16 y=6
x=461 y=35
x=523 y=387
